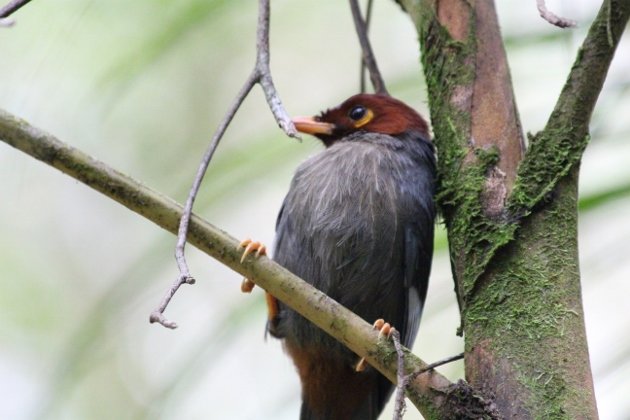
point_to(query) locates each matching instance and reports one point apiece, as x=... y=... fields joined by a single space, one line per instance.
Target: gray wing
x=418 y=245
x=417 y=262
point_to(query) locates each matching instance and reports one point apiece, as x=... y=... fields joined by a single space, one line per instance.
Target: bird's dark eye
x=357 y=112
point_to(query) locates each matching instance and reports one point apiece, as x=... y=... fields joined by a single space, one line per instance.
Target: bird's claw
x=247 y=285
x=252 y=246
x=384 y=330
x=258 y=249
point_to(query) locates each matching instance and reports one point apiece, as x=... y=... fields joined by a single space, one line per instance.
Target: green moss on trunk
x=473 y=237
x=516 y=270
x=529 y=317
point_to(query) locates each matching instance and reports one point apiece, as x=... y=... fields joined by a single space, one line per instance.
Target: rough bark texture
x=512 y=218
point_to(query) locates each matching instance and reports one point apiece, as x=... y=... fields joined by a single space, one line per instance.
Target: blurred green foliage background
x=141 y=85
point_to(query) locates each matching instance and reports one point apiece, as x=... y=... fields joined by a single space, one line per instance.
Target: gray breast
x=343 y=228
x=345 y=215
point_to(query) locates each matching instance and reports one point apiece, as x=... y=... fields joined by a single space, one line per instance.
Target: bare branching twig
x=552 y=18
x=368 y=55
x=261 y=74
x=439 y=363
x=10 y=8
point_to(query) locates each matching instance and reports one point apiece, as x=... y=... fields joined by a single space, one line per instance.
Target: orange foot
x=384 y=330
x=258 y=249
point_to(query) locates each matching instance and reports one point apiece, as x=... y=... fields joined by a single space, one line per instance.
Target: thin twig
x=261 y=75
x=10 y=8
x=184 y=272
x=368 y=17
x=368 y=54
x=402 y=379
x=552 y=18
x=438 y=363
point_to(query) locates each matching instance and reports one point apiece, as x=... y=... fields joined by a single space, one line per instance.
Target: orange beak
x=308 y=125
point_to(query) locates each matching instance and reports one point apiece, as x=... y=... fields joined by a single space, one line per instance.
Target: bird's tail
x=368 y=410
x=307 y=414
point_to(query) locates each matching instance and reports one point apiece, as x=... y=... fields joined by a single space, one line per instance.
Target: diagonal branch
x=430 y=392
x=261 y=75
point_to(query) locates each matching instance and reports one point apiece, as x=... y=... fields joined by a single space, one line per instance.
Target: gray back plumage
x=343 y=224
x=358 y=224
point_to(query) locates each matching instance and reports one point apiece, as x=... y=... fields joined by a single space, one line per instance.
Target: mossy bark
x=525 y=336
x=511 y=215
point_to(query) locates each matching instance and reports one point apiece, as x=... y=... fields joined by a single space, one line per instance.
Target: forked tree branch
x=261 y=74
x=478 y=141
x=433 y=394
x=559 y=147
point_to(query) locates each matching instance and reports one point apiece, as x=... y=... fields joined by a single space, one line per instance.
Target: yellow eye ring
x=369 y=115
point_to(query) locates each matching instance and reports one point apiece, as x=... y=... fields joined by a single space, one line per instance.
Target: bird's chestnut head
x=364 y=112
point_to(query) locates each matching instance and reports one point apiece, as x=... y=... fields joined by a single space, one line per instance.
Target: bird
x=357 y=223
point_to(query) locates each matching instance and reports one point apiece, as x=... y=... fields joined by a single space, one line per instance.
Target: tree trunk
x=511 y=215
